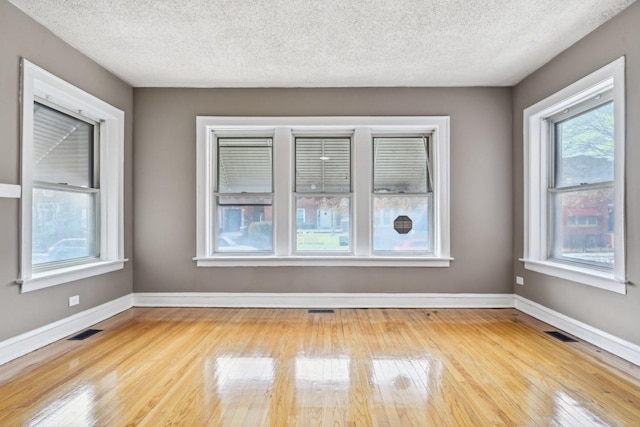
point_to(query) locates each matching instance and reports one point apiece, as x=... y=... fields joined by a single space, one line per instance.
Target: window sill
x=60 y=276
x=320 y=261
x=586 y=276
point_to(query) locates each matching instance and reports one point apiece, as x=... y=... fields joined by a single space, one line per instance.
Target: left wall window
x=72 y=179
x=65 y=188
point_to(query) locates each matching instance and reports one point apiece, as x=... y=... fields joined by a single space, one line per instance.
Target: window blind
x=245 y=165
x=400 y=165
x=62 y=148
x=323 y=165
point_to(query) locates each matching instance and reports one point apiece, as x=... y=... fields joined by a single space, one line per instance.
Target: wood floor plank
x=288 y=367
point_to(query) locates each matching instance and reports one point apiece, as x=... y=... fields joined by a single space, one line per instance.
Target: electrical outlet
x=519 y=280
x=74 y=300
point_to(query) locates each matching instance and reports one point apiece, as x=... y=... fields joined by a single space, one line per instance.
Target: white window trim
x=283 y=130
x=536 y=179
x=36 y=82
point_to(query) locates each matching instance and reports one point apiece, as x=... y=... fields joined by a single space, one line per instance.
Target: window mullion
x=362 y=183
x=283 y=181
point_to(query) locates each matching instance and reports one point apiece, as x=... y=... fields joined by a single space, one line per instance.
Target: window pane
x=583 y=223
x=400 y=165
x=62 y=148
x=584 y=147
x=244 y=227
x=244 y=165
x=387 y=208
x=323 y=224
x=64 y=226
x=323 y=165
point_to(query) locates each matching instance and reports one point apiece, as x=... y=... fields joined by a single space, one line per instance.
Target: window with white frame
x=574 y=174
x=72 y=158
x=65 y=187
x=323 y=191
x=244 y=196
x=401 y=188
x=323 y=187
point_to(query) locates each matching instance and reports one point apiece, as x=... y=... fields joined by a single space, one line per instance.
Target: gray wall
x=165 y=189
x=613 y=313
x=20 y=36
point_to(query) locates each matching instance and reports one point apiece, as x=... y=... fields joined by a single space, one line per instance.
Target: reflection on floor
x=278 y=367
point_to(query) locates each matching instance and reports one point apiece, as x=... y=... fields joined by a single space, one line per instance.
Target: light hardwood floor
x=355 y=367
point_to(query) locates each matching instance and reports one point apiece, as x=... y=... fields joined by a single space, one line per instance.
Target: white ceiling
x=321 y=43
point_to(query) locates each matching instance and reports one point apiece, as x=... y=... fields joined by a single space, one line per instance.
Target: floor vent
x=321 y=310
x=559 y=335
x=84 y=335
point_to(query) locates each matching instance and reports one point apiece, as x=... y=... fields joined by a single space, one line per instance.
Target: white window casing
x=284 y=130
x=538 y=156
x=40 y=84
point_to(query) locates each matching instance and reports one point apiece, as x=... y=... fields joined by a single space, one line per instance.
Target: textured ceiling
x=321 y=43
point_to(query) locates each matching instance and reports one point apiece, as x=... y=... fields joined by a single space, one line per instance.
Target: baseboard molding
x=25 y=343
x=321 y=300
x=20 y=345
x=604 y=340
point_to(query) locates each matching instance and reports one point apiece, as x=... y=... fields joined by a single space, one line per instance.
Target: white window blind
x=245 y=165
x=400 y=165
x=323 y=165
x=62 y=148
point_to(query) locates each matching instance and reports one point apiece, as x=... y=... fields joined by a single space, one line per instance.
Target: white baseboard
x=32 y=340
x=20 y=345
x=321 y=300
x=604 y=340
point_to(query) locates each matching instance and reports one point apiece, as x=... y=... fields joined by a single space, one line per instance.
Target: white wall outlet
x=74 y=300
x=519 y=280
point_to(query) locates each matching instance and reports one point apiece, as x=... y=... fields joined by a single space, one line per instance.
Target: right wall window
x=574 y=181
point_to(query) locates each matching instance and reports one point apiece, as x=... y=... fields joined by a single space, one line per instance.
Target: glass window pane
x=583 y=224
x=62 y=148
x=244 y=227
x=400 y=165
x=584 y=147
x=64 y=226
x=385 y=211
x=323 y=224
x=323 y=165
x=244 y=165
